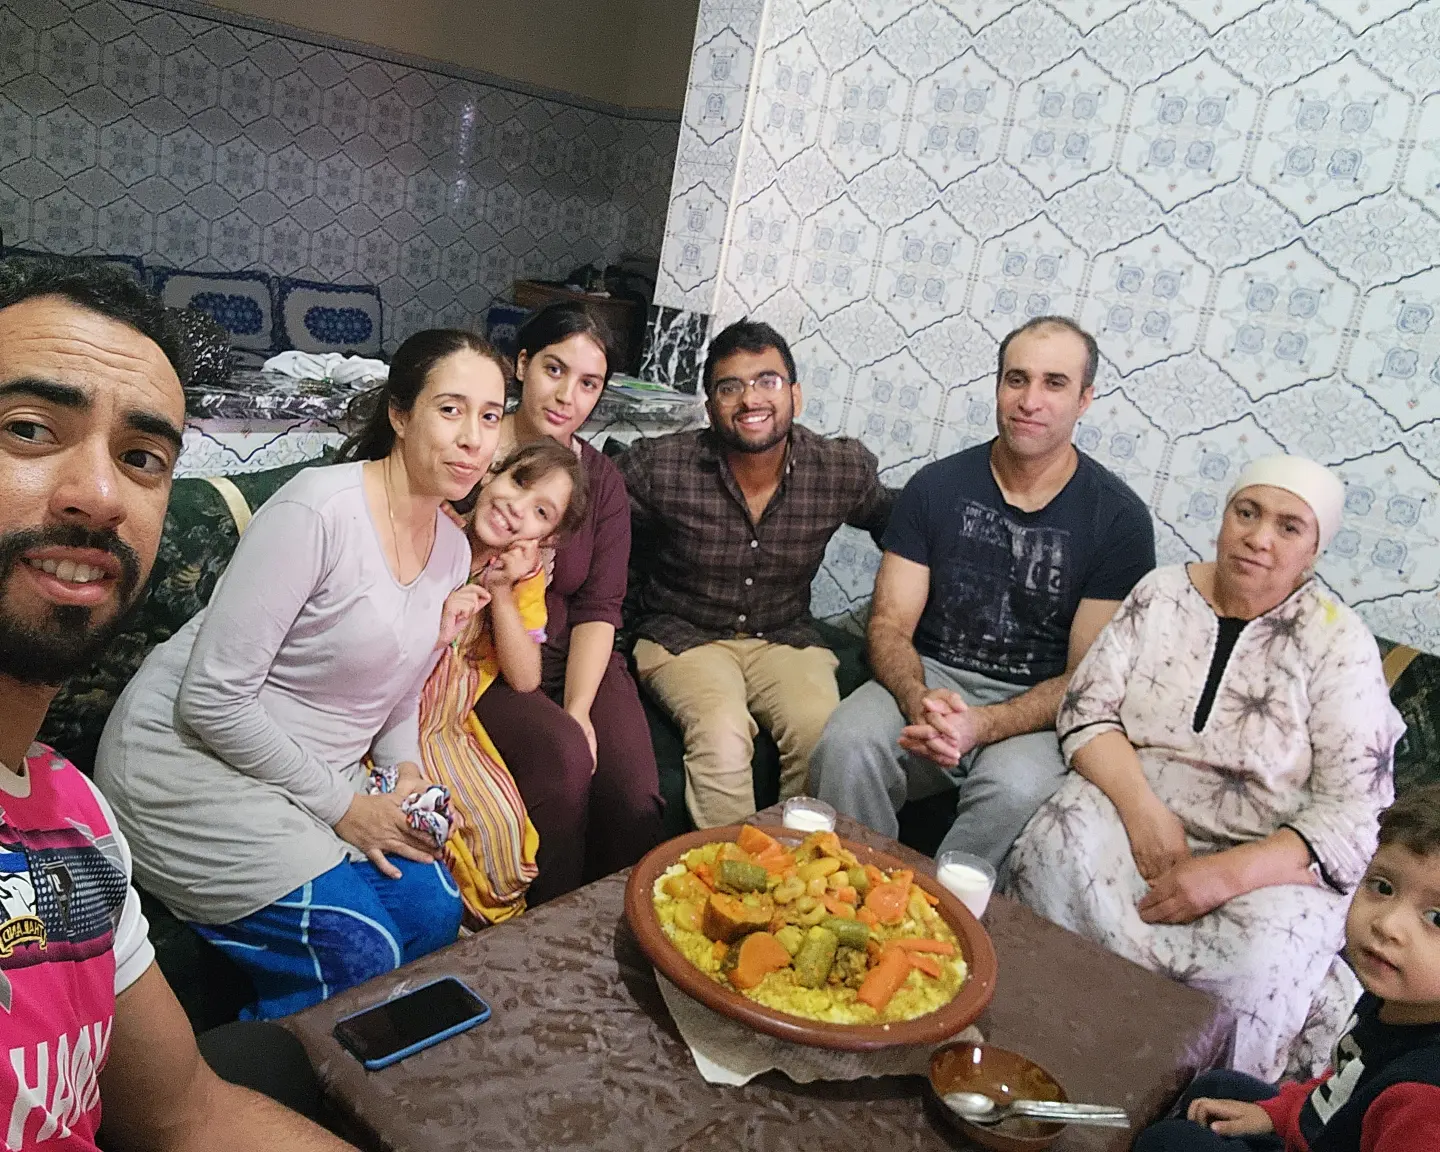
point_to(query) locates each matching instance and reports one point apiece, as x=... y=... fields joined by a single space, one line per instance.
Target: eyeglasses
x=732 y=387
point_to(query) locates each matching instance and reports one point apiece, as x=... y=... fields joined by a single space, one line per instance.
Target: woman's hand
x=409 y=779
x=375 y=825
x=1230 y=1117
x=1193 y=887
x=514 y=564
x=461 y=606
x=1157 y=837
x=583 y=719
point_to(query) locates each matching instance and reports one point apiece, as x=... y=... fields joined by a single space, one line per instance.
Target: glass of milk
x=806 y=814
x=971 y=878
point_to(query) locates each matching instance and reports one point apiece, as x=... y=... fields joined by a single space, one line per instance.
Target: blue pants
x=1181 y=1135
x=339 y=930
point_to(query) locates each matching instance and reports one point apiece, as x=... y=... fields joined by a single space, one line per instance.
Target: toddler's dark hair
x=1413 y=821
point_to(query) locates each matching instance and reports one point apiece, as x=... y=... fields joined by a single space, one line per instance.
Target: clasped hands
x=943 y=728
x=1182 y=887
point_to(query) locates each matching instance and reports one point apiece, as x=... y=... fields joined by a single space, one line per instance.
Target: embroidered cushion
x=330 y=317
x=243 y=303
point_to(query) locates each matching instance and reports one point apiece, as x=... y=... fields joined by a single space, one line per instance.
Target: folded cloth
x=332 y=366
x=727 y=1052
x=426 y=811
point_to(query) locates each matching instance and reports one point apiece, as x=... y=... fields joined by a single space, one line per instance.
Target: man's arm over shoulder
x=158 y=1093
x=873 y=501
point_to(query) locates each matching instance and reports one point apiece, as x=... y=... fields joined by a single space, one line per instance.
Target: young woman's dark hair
x=530 y=464
x=369 y=413
x=556 y=323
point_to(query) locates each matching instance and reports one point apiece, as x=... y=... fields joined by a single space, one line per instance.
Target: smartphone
x=380 y=1035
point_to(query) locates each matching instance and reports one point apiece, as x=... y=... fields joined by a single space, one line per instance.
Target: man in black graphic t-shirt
x=1002 y=564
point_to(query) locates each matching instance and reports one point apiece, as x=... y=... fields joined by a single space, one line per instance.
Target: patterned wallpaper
x=210 y=144
x=1241 y=198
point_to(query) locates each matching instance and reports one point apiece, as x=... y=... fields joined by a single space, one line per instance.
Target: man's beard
x=65 y=642
x=732 y=439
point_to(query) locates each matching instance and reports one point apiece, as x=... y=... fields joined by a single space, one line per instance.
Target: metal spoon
x=982 y=1109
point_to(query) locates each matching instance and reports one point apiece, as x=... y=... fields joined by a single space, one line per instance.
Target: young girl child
x=493 y=629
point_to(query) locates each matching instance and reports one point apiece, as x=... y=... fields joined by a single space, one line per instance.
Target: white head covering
x=1314 y=483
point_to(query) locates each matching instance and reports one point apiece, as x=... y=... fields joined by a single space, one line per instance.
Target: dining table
x=580 y=1051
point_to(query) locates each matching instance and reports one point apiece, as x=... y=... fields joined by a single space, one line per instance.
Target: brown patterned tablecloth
x=580 y=1052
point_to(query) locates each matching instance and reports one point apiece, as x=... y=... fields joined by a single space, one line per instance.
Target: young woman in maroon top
x=579 y=748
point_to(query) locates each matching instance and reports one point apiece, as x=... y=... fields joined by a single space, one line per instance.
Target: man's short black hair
x=746 y=336
x=98 y=288
x=1092 y=350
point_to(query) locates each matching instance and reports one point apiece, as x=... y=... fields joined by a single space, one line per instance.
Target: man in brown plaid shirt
x=730 y=524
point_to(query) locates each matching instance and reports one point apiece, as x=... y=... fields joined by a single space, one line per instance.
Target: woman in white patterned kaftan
x=1231 y=743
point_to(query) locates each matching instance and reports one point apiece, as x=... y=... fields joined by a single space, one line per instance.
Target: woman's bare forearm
x=591 y=644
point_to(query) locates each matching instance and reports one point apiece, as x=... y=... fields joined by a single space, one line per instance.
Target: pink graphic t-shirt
x=71 y=939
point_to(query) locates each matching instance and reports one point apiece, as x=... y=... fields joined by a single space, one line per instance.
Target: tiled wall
x=200 y=143
x=1241 y=198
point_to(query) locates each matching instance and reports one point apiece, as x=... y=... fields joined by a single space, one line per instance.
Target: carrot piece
x=885 y=979
x=873 y=947
x=903 y=877
x=865 y=916
x=888 y=902
x=758 y=955
x=929 y=897
x=927 y=964
x=706 y=874
x=777 y=864
x=837 y=907
x=874 y=875
x=754 y=841
x=920 y=944
x=847 y=894
x=719 y=948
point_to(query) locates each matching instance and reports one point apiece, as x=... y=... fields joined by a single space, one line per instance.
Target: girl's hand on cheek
x=515 y=563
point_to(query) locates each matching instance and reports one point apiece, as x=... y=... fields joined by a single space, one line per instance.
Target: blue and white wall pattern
x=1241 y=198
x=205 y=141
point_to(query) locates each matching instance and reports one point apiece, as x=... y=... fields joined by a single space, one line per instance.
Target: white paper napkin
x=727 y=1052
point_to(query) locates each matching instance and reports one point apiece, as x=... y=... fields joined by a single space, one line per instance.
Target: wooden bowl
x=931 y=1028
x=1003 y=1076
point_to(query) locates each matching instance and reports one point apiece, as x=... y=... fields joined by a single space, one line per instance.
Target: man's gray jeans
x=860 y=769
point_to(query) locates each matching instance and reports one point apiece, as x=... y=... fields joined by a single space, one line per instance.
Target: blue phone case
x=375 y=1064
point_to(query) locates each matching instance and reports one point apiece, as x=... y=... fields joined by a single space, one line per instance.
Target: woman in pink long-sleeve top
x=579 y=748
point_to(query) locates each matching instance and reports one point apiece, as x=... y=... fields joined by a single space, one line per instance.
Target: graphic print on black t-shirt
x=1002 y=604
x=1005 y=583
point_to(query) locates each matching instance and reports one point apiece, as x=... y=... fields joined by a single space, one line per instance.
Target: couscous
x=809 y=930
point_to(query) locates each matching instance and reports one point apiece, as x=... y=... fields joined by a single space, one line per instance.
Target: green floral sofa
x=200 y=534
